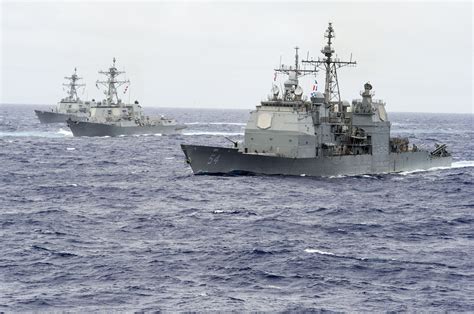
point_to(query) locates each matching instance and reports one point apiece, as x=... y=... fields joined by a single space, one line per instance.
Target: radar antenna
x=332 y=95
x=291 y=85
x=112 y=83
x=297 y=69
x=72 y=85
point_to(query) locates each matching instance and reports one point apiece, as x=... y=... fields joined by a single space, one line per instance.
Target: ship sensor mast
x=332 y=95
x=292 y=89
x=72 y=85
x=112 y=83
x=297 y=70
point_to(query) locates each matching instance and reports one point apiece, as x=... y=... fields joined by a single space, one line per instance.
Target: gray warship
x=112 y=117
x=322 y=136
x=69 y=107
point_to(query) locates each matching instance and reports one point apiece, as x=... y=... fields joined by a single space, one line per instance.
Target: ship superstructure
x=69 y=107
x=319 y=136
x=113 y=117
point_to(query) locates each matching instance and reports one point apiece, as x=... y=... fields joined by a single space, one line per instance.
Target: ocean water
x=122 y=224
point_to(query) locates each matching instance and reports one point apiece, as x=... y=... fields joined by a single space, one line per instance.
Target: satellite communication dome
x=298 y=91
x=275 y=90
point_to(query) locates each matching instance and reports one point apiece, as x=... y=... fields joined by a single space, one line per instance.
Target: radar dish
x=367 y=86
x=298 y=91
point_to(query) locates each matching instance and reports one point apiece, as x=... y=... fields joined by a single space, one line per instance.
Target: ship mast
x=72 y=85
x=296 y=69
x=293 y=73
x=332 y=95
x=112 y=83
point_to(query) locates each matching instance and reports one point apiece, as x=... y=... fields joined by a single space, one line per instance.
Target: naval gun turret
x=323 y=136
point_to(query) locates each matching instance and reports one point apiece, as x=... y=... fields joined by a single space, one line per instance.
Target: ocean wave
x=378 y=259
x=128 y=212
x=60 y=133
x=29 y=134
x=318 y=252
x=454 y=165
x=64 y=132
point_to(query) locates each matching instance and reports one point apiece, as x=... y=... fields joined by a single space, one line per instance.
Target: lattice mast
x=330 y=65
x=73 y=85
x=111 y=84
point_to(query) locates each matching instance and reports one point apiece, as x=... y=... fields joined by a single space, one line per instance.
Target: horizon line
x=207 y=108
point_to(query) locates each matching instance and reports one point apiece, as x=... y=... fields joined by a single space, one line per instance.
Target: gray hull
x=83 y=128
x=219 y=160
x=54 y=117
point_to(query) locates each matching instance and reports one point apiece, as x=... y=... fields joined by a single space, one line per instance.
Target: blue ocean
x=122 y=224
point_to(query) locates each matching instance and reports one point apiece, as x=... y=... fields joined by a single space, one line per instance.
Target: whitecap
x=70 y=148
x=64 y=132
x=318 y=252
x=338 y=176
x=454 y=165
x=463 y=164
x=29 y=134
x=273 y=287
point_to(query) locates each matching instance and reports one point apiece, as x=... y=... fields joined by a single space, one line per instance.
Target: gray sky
x=417 y=55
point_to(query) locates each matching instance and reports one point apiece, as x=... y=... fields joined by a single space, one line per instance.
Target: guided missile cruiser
x=289 y=134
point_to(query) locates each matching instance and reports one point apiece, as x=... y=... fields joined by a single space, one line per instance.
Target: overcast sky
x=417 y=55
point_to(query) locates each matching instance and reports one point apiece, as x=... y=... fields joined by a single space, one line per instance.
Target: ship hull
x=84 y=128
x=220 y=160
x=55 y=117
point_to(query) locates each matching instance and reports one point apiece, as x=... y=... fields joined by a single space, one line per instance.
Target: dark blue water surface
x=123 y=224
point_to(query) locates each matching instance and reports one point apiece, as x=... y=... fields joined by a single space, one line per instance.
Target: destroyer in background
x=323 y=136
x=69 y=107
x=112 y=117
